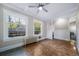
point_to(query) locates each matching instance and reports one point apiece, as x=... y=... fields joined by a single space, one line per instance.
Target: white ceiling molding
x=55 y=10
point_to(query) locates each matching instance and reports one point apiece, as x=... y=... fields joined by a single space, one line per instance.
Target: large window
x=17 y=26
x=37 y=27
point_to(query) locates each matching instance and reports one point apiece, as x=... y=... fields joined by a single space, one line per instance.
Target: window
x=17 y=26
x=37 y=27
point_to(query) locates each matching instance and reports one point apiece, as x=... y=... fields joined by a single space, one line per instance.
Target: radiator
x=31 y=40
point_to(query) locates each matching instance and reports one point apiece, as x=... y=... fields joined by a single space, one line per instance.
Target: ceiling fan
x=40 y=6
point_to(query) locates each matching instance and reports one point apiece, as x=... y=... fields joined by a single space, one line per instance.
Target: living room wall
x=8 y=42
x=59 y=28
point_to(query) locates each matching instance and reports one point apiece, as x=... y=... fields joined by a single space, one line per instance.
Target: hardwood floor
x=19 y=51
x=52 y=48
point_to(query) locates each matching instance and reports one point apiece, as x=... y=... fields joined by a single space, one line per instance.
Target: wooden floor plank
x=51 y=48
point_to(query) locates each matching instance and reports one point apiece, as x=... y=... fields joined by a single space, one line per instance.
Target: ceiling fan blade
x=46 y=4
x=43 y=4
x=45 y=9
x=32 y=6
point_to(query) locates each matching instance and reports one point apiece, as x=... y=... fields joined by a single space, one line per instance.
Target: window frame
x=6 y=13
x=41 y=28
x=20 y=18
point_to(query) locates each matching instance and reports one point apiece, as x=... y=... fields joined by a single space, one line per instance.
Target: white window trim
x=7 y=12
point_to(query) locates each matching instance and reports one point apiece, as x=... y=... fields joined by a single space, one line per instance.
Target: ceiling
x=55 y=10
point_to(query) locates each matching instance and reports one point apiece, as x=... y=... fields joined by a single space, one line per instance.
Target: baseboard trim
x=11 y=47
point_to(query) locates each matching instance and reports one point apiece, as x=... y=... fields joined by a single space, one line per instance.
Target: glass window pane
x=37 y=27
x=16 y=27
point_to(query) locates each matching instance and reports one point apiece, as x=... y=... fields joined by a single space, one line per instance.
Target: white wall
x=72 y=24
x=44 y=29
x=61 y=34
x=77 y=30
x=1 y=23
x=72 y=28
x=9 y=43
x=50 y=29
x=30 y=27
x=60 y=29
x=78 y=36
x=7 y=12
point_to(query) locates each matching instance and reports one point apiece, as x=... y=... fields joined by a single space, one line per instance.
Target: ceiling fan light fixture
x=40 y=8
